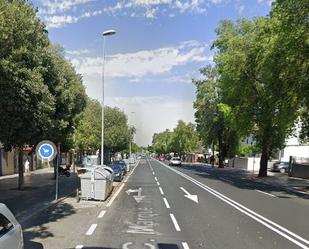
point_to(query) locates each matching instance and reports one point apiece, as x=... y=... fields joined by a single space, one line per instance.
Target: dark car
x=118 y=172
x=282 y=167
x=122 y=164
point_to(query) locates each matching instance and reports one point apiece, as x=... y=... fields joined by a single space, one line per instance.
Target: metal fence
x=299 y=167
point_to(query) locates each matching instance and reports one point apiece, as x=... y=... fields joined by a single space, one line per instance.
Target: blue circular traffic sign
x=46 y=150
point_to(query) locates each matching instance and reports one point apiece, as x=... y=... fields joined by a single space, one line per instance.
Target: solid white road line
x=175 y=223
x=161 y=191
x=115 y=196
x=158 y=183
x=120 y=188
x=91 y=229
x=101 y=214
x=265 y=193
x=226 y=180
x=79 y=247
x=166 y=203
x=257 y=217
x=185 y=245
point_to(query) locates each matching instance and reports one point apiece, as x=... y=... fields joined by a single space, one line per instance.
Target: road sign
x=46 y=150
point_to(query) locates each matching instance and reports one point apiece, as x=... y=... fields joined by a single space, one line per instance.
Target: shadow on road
x=37 y=226
x=240 y=179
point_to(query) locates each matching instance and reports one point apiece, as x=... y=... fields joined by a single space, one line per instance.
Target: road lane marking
x=185 y=245
x=265 y=193
x=101 y=214
x=153 y=172
x=115 y=196
x=158 y=183
x=79 y=247
x=126 y=245
x=91 y=229
x=189 y=196
x=226 y=180
x=156 y=179
x=166 y=203
x=257 y=217
x=120 y=188
x=161 y=191
x=175 y=223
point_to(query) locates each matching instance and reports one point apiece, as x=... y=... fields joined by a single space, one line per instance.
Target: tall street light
x=105 y=33
x=130 y=151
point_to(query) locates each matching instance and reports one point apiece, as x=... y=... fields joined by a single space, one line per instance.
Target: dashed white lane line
x=79 y=247
x=153 y=172
x=161 y=191
x=101 y=214
x=158 y=183
x=226 y=180
x=91 y=229
x=185 y=245
x=175 y=223
x=257 y=217
x=166 y=203
x=156 y=179
x=265 y=193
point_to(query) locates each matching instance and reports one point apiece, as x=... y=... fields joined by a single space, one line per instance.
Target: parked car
x=121 y=164
x=175 y=161
x=118 y=172
x=282 y=167
x=11 y=234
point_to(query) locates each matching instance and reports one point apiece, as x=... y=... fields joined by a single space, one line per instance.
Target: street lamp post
x=130 y=145
x=105 y=33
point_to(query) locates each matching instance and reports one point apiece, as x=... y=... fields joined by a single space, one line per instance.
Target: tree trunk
x=20 y=169
x=264 y=161
x=221 y=152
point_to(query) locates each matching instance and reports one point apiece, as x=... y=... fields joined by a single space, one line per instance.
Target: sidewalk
x=39 y=191
x=297 y=185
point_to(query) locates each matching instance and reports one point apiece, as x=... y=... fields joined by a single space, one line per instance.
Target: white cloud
x=266 y=1
x=56 y=6
x=145 y=62
x=78 y=52
x=59 y=21
x=58 y=13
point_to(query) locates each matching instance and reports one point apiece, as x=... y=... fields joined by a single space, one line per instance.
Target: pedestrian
x=27 y=166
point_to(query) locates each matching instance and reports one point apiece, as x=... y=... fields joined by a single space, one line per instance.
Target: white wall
x=296 y=151
x=247 y=163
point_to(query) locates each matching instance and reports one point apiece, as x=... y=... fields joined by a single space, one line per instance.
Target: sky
x=158 y=48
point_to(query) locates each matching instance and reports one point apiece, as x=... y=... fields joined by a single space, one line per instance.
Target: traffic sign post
x=47 y=151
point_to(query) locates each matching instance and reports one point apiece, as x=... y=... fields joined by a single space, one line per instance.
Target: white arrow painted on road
x=189 y=196
x=126 y=245
x=138 y=198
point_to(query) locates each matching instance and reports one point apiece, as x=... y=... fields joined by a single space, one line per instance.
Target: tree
x=250 y=67
x=161 y=142
x=215 y=120
x=26 y=105
x=70 y=98
x=116 y=129
x=184 y=138
x=40 y=92
x=290 y=25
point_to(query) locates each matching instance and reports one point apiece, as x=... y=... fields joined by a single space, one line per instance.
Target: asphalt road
x=180 y=208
